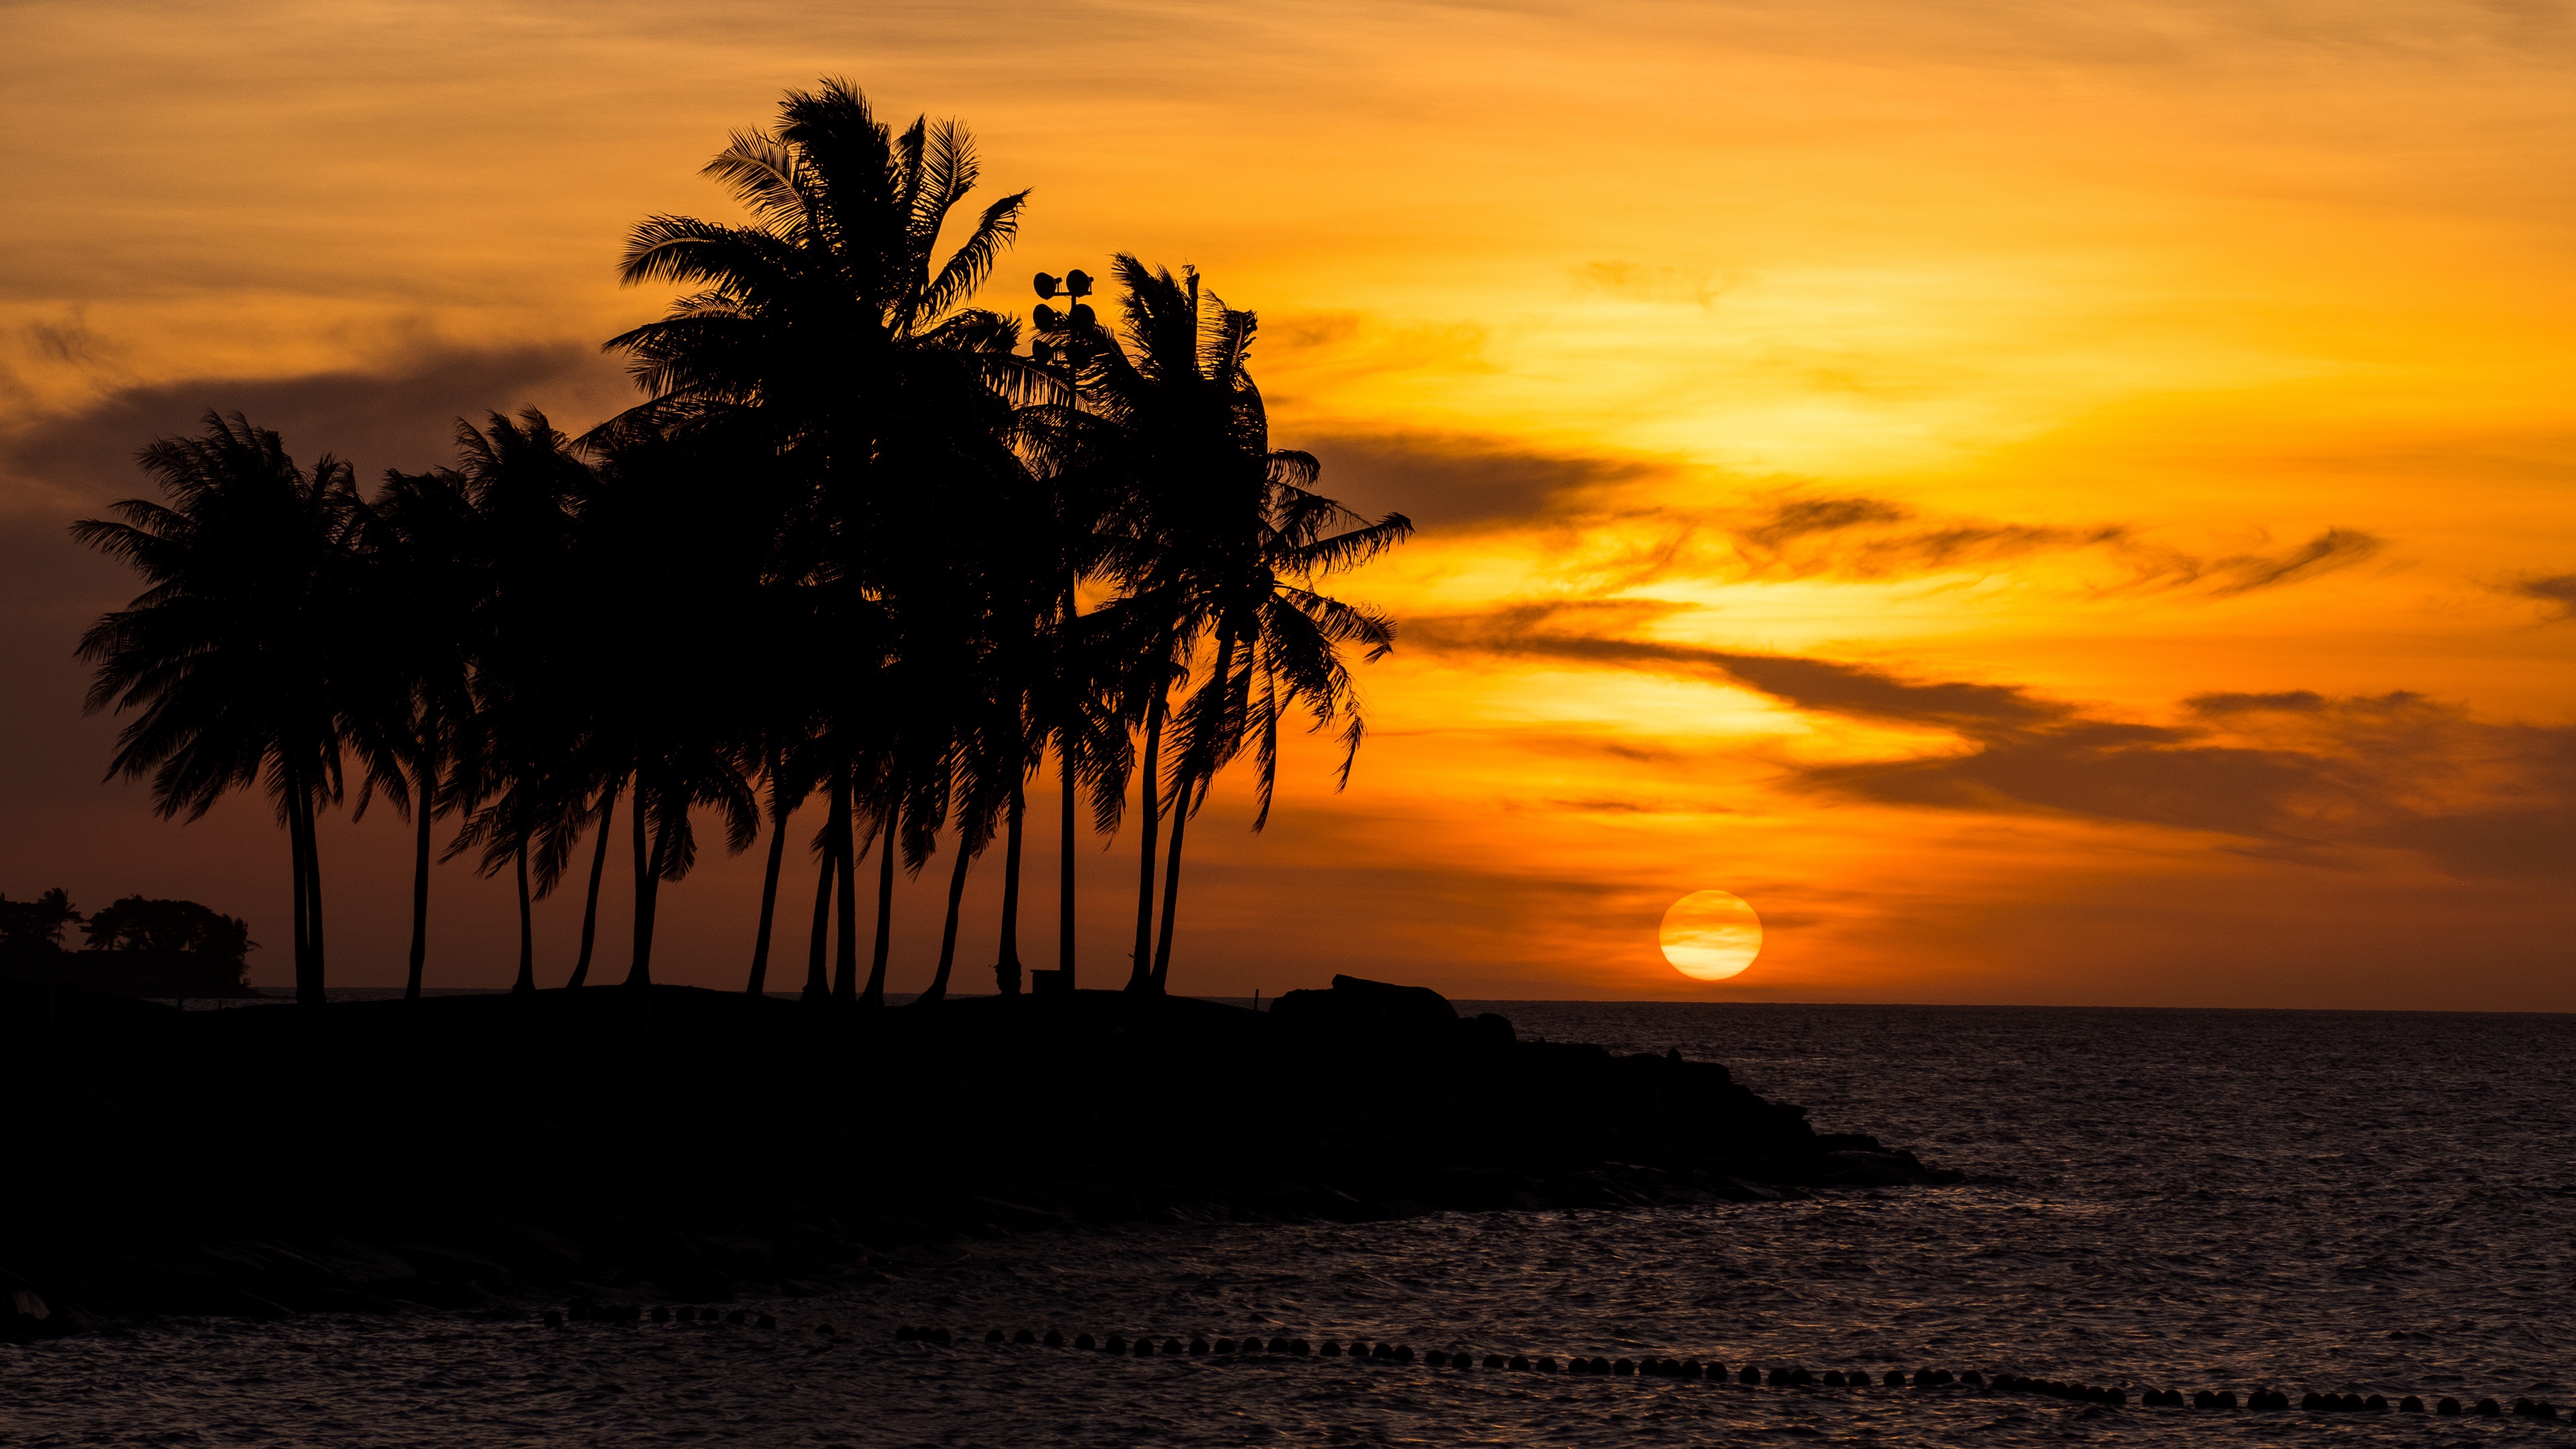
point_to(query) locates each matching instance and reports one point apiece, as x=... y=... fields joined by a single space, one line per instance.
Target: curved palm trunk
x=1064 y=876
x=938 y=991
x=886 y=851
x=818 y=972
x=526 y=985
x=1006 y=970
x=425 y=789
x=1182 y=803
x=768 y=892
x=1141 y=976
x=1195 y=775
x=648 y=888
x=598 y=869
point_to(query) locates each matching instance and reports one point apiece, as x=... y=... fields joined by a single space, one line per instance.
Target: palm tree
x=423 y=582
x=235 y=651
x=1233 y=532
x=829 y=335
x=673 y=694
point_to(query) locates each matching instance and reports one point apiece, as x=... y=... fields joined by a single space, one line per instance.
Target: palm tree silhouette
x=423 y=585
x=851 y=543
x=1232 y=531
x=831 y=335
x=239 y=647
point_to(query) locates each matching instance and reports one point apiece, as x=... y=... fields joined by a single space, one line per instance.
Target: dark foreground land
x=675 y=1142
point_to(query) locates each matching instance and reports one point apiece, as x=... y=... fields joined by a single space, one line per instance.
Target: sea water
x=2306 y=1201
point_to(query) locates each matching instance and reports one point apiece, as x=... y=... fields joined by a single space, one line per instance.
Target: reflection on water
x=2370 y=1202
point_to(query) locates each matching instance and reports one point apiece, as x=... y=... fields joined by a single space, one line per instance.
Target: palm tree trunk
x=425 y=788
x=1141 y=976
x=768 y=890
x=1064 y=874
x=526 y=985
x=938 y=991
x=598 y=869
x=818 y=976
x=648 y=881
x=1181 y=810
x=887 y=849
x=312 y=902
x=1195 y=773
x=845 y=852
x=1006 y=970
x=308 y=989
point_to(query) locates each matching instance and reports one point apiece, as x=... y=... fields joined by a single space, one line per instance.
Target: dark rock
x=1329 y=1350
x=1144 y=1348
x=1496 y=1360
x=1024 y=1336
x=1055 y=1339
x=1437 y=1358
x=991 y=1335
x=1299 y=1347
x=2410 y=1405
x=737 y=1316
x=2227 y=1398
x=1174 y=1346
x=2488 y=1408
x=937 y=1335
x=1895 y=1378
x=1198 y=1345
x=2447 y=1406
x=554 y=1318
x=660 y=1313
x=1692 y=1368
x=1354 y=1001
x=1279 y=1345
x=1749 y=1375
x=1115 y=1343
x=2376 y=1403
x=1546 y=1365
x=1833 y=1378
x=1624 y=1366
x=1800 y=1378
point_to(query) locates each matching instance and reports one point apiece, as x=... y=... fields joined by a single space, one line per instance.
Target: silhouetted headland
x=675 y=1142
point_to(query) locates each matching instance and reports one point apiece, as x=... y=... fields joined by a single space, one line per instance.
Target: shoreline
x=670 y=1144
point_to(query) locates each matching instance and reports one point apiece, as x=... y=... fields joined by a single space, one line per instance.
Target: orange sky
x=2051 y=504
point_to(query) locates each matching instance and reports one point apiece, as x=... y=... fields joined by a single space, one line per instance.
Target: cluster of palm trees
x=855 y=547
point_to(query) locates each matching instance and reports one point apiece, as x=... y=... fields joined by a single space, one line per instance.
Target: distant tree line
x=855 y=545
x=133 y=931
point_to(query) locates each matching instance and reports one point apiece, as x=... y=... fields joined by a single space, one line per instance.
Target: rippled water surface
x=2310 y=1201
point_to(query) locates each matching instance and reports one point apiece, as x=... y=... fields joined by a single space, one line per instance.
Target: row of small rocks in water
x=1691 y=1368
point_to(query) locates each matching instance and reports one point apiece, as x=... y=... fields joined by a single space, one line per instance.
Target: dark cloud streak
x=2294 y=774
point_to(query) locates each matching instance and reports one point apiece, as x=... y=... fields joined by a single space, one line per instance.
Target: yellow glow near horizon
x=2087 y=312
x=1711 y=935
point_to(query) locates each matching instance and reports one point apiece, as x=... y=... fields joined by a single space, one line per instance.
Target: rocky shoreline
x=673 y=1143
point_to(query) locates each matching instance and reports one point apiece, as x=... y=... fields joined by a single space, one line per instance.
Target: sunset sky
x=2049 y=503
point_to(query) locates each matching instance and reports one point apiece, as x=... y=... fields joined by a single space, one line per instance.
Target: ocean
x=2346 y=1202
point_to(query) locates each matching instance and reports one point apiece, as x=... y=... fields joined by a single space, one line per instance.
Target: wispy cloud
x=2555 y=591
x=2291 y=773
